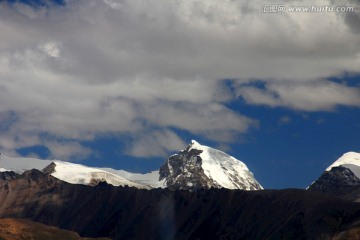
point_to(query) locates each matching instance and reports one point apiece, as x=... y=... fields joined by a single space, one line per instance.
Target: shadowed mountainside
x=22 y=229
x=340 y=182
x=130 y=213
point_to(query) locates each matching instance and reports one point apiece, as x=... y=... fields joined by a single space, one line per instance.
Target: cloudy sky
x=125 y=83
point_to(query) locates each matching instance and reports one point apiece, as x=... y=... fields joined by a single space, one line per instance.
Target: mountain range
x=196 y=167
x=198 y=193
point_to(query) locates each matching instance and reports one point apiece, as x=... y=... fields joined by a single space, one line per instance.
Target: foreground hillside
x=22 y=229
x=130 y=213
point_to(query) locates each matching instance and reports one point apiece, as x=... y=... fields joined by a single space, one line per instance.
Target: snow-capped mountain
x=200 y=166
x=350 y=160
x=196 y=167
x=68 y=172
x=341 y=178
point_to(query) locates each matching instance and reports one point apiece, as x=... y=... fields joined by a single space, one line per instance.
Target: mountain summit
x=202 y=167
x=341 y=179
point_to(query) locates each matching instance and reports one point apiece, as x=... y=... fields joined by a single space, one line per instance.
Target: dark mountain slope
x=341 y=179
x=22 y=229
x=129 y=213
x=339 y=182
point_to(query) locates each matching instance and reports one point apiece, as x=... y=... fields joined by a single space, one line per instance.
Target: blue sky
x=124 y=84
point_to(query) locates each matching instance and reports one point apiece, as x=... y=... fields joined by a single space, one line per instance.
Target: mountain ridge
x=204 y=167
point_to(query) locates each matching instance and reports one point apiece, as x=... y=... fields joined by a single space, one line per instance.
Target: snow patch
x=149 y=179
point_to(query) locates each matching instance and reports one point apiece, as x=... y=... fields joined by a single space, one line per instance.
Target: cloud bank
x=71 y=73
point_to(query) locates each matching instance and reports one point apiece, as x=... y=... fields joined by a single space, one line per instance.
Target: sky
x=126 y=83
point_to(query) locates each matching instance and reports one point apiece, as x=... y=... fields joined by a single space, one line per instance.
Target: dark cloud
x=352 y=19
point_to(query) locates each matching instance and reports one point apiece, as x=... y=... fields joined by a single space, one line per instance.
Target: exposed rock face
x=339 y=181
x=26 y=191
x=130 y=213
x=49 y=169
x=202 y=167
x=8 y=175
x=184 y=171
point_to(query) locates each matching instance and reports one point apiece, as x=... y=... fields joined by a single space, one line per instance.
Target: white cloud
x=321 y=95
x=201 y=118
x=98 y=67
x=155 y=143
x=67 y=150
x=51 y=48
